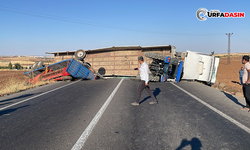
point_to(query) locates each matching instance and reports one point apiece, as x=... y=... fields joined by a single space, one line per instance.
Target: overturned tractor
x=183 y=65
x=164 y=68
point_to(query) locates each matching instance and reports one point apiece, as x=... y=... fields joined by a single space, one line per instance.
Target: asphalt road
x=57 y=119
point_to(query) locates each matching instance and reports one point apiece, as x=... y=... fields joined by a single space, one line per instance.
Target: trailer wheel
x=67 y=78
x=155 y=56
x=80 y=54
x=102 y=71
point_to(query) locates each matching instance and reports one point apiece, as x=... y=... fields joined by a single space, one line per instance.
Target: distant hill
x=232 y=54
x=24 y=60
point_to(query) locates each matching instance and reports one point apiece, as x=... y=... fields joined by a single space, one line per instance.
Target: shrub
x=10 y=66
x=18 y=66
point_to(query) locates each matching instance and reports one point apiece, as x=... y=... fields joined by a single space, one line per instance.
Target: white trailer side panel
x=191 y=64
x=207 y=68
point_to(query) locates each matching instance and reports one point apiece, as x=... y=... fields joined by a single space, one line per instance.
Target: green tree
x=17 y=66
x=10 y=66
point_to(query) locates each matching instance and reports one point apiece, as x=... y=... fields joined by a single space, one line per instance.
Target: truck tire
x=80 y=54
x=154 y=78
x=155 y=56
x=67 y=78
x=40 y=64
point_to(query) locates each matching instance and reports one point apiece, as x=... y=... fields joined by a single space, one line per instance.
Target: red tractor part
x=50 y=75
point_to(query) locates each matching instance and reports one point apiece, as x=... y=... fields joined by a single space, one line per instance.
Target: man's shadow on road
x=195 y=144
x=156 y=92
x=19 y=97
x=7 y=111
x=235 y=100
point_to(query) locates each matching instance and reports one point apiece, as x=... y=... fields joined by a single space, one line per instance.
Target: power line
x=59 y=18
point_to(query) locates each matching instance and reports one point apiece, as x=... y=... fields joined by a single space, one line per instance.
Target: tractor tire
x=154 y=78
x=67 y=78
x=155 y=68
x=153 y=64
x=155 y=56
x=40 y=64
x=153 y=72
x=80 y=54
x=34 y=67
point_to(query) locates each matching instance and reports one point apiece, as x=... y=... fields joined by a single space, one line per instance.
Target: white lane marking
x=216 y=110
x=80 y=142
x=36 y=96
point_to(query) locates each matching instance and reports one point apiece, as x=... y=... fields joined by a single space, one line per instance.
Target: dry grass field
x=14 y=81
x=7 y=76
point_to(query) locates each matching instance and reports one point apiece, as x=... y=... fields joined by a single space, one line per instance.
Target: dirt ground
x=228 y=74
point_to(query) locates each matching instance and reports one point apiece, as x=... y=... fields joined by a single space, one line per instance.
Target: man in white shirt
x=144 y=74
x=246 y=82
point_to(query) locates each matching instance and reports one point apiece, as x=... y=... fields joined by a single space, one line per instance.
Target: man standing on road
x=144 y=84
x=246 y=81
x=241 y=72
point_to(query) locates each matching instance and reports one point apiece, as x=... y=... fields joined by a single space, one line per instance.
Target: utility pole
x=228 y=51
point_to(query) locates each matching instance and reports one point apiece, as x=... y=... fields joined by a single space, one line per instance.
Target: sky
x=34 y=27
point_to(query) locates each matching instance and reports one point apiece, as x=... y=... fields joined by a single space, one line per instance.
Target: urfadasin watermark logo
x=199 y=13
x=202 y=14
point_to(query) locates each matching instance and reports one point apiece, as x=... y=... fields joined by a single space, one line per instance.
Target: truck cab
x=200 y=67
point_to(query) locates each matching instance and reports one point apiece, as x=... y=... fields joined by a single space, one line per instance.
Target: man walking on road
x=144 y=84
x=246 y=81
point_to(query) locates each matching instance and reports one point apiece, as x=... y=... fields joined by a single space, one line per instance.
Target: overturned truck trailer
x=183 y=66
